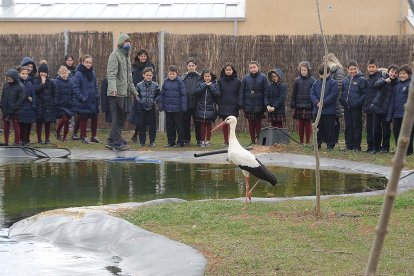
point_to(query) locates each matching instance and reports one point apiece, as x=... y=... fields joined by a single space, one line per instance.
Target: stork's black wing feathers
x=261 y=172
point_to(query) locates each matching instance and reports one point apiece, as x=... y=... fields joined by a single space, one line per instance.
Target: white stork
x=243 y=158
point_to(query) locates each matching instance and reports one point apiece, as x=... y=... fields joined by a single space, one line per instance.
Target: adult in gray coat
x=337 y=74
x=120 y=86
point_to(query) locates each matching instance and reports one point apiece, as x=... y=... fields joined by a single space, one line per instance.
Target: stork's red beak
x=219 y=126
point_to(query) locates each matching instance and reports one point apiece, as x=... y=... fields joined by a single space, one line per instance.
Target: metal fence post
x=66 y=36
x=161 y=74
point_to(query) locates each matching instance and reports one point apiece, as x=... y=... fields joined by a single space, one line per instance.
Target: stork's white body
x=243 y=158
x=238 y=154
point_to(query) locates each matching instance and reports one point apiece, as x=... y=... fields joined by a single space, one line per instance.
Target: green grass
x=282 y=238
x=285 y=238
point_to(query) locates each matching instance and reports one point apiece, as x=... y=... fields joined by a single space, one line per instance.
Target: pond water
x=29 y=188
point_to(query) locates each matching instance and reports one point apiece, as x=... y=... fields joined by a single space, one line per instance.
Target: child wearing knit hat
x=46 y=91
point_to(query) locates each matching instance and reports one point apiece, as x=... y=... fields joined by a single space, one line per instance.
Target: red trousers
x=63 y=123
x=83 y=123
x=254 y=128
x=16 y=127
x=305 y=126
x=205 y=131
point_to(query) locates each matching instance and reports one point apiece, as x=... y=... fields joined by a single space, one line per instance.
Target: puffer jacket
x=12 y=96
x=354 y=90
x=173 y=96
x=28 y=110
x=64 y=98
x=252 y=90
x=85 y=91
x=398 y=99
x=371 y=91
x=207 y=96
x=45 y=100
x=301 y=92
x=148 y=93
x=337 y=74
x=381 y=102
x=119 y=72
x=228 y=101
x=276 y=92
x=191 y=80
x=330 y=96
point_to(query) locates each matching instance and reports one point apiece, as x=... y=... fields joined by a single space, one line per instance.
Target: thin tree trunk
x=398 y=164
x=315 y=124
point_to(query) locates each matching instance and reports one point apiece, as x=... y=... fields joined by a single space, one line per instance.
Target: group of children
x=202 y=98
x=30 y=95
x=34 y=97
x=381 y=96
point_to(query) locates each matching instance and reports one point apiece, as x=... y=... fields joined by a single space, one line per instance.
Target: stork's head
x=231 y=120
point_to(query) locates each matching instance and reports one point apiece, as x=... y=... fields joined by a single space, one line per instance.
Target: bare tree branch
x=318 y=117
x=391 y=192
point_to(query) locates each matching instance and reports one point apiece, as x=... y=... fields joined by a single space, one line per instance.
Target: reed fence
x=209 y=50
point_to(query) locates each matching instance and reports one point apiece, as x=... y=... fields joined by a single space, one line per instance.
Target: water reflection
x=30 y=188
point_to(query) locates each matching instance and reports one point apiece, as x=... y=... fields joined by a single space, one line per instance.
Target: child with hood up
x=275 y=96
x=46 y=90
x=12 y=98
x=31 y=67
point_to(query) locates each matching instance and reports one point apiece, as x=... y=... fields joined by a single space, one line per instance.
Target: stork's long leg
x=248 y=198
x=250 y=193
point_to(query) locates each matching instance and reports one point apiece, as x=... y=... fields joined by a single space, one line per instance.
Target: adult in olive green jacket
x=120 y=87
